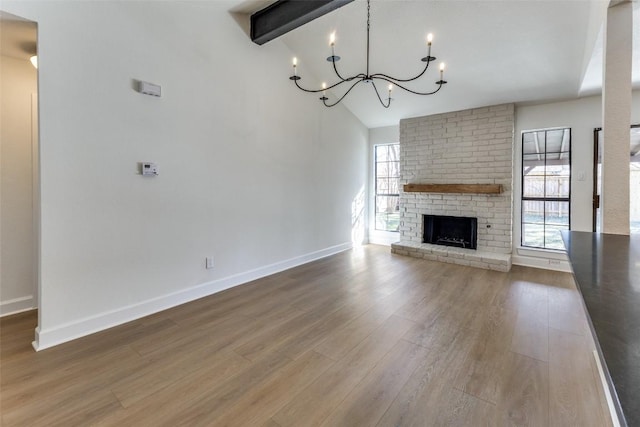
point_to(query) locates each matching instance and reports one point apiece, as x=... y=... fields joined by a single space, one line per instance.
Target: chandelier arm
x=412 y=91
x=379 y=98
x=327 y=88
x=342 y=97
x=395 y=80
x=335 y=69
x=306 y=90
x=360 y=77
x=348 y=79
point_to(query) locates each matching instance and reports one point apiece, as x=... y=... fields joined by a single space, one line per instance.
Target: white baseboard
x=17 y=305
x=50 y=337
x=541 y=258
x=607 y=392
x=544 y=263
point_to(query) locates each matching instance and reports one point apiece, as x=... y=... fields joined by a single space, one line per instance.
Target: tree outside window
x=387 y=175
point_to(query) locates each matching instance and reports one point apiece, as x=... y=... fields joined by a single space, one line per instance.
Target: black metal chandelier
x=367 y=77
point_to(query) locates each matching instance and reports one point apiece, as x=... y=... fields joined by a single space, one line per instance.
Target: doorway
x=634 y=178
x=19 y=177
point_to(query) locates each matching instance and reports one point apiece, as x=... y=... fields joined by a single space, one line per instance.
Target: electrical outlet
x=209 y=262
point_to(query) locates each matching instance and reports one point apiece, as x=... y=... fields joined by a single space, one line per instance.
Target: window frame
x=375 y=185
x=543 y=199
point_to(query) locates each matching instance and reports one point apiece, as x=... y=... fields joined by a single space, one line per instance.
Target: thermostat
x=150 y=169
x=149 y=88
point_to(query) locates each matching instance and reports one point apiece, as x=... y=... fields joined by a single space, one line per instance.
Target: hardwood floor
x=363 y=338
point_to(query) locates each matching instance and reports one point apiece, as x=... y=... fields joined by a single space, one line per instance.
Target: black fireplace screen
x=461 y=232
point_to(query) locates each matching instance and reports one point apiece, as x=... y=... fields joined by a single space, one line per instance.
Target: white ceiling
x=17 y=37
x=592 y=82
x=495 y=51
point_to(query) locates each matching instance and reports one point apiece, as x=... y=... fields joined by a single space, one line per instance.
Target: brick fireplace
x=463 y=147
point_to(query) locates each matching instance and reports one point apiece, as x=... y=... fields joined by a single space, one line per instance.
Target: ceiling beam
x=285 y=15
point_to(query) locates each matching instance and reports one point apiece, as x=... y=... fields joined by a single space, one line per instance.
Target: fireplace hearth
x=461 y=232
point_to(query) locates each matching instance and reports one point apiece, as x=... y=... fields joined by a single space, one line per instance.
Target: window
x=546 y=187
x=387 y=174
x=634 y=177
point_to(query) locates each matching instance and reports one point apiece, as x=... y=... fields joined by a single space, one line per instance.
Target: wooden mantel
x=454 y=188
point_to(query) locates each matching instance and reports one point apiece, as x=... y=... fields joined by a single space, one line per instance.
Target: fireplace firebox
x=461 y=232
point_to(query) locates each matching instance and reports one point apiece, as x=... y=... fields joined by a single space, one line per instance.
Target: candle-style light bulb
x=441 y=70
x=324 y=89
x=390 y=88
x=295 y=66
x=429 y=38
x=332 y=38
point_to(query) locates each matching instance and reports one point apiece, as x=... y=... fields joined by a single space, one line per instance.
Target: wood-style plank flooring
x=362 y=338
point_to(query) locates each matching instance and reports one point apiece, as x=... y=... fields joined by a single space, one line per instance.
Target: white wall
x=582 y=116
x=382 y=135
x=17 y=256
x=252 y=171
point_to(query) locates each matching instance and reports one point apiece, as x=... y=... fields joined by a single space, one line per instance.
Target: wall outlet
x=209 y=262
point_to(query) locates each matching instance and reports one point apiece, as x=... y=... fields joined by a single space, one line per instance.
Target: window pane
x=558 y=164
x=387 y=222
x=553 y=238
x=394 y=169
x=382 y=169
x=381 y=221
x=387 y=204
x=394 y=186
x=382 y=186
x=394 y=152
x=533 y=186
x=557 y=186
x=533 y=235
x=533 y=212
x=556 y=213
x=533 y=142
x=531 y=161
x=382 y=153
x=557 y=140
x=533 y=164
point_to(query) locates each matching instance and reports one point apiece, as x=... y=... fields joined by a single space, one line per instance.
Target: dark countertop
x=606 y=268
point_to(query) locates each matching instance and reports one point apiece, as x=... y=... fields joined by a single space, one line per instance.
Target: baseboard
x=613 y=413
x=46 y=338
x=544 y=263
x=17 y=305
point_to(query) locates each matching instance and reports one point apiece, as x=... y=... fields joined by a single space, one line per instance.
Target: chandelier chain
x=368 y=32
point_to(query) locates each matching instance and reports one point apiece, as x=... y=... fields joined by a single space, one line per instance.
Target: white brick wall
x=462 y=147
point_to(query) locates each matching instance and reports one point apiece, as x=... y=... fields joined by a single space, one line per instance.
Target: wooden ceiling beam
x=285 y=15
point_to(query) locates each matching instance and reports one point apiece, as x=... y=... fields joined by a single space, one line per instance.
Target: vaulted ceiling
x=495 y=52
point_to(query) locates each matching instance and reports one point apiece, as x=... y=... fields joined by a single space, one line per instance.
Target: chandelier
x=367 y=77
